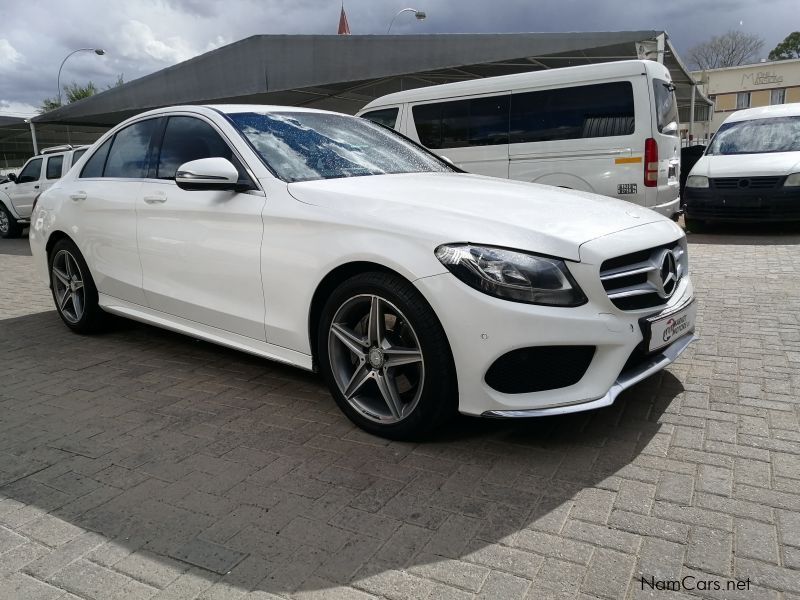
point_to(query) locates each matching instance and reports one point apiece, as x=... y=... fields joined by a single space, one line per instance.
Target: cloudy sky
x=146 y=35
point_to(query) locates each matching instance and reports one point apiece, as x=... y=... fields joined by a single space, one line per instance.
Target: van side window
x=586 y=111
x=54 y=166
x=76 y=156
x=385 y=116
x=460 y=123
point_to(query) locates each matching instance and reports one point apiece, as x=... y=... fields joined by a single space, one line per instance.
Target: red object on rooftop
x=344 y=26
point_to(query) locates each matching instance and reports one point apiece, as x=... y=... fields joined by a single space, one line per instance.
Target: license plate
x=661 y=330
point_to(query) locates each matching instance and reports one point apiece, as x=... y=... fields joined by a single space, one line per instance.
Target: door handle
x=156 y=199
x=77 y=196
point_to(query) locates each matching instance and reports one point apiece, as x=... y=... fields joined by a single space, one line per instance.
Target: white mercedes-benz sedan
x=331 y=243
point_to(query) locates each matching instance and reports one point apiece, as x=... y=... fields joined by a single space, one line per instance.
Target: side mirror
x=208 y=174
x=12 y=177
x=670 y=128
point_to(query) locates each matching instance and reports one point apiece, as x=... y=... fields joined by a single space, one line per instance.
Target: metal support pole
x=691 y=113
x=33 y=137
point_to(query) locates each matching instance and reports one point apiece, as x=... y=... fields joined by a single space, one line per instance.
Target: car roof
x=550 y=77
x=766 y=112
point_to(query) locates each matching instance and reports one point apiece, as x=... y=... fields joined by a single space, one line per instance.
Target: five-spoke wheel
x=68 y=290
x=376 y=358
x=386 y=357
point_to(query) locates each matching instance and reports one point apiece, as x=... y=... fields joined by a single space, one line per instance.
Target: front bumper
x=481 y=329
x=743 y=205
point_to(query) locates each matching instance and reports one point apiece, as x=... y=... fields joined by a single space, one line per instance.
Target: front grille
x=744 y=183
x=637 y=280
x=539 y=368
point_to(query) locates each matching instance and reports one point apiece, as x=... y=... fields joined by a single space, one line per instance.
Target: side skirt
x=204 y=332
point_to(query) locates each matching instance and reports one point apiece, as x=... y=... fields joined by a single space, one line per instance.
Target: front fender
x=5 y=200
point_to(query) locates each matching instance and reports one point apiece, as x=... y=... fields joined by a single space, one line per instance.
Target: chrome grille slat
x=638 y=284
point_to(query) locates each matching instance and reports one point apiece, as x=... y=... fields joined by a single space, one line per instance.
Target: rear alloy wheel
x=74 y=292
x=9 y=228
x=385 y=357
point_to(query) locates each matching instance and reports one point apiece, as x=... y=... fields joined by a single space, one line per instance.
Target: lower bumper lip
x=625 y=380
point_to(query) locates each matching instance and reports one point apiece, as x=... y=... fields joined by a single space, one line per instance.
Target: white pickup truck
x=39 y=173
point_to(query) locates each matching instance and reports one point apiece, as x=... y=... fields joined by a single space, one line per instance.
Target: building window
x=777 y=96
x=742 y=100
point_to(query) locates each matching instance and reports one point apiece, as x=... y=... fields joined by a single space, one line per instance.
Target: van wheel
x=9 y=228
x=386 y=358
x=74 y=292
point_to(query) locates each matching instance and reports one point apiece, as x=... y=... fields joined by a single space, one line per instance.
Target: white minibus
x=609 y=128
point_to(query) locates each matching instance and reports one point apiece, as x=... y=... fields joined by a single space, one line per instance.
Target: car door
x=102 y=200
x=26 y=187
x=201 y=250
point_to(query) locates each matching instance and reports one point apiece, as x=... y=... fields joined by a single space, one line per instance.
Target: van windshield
x=757 y=136
x=306 y=146
x=666 y=107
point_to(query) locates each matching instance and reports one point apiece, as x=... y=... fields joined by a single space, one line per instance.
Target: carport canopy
x=345 y=72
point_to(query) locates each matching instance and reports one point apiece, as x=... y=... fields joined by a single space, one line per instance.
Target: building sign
x=762 y=78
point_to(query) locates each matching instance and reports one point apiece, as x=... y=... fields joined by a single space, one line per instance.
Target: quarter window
x=187 y=139
x=31 y=172
x=97 y=161
x=54 y=166
x=385 y=116
x=128 y=156
x=76 y=156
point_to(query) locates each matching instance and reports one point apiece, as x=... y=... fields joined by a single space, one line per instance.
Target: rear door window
x=130 y=150
x=666 y=107
x=54 y=166
x=94 y=166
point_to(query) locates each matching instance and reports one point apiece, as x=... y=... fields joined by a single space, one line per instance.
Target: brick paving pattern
x=140 y=464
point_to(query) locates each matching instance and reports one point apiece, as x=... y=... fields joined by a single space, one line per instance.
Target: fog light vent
x=539 y=368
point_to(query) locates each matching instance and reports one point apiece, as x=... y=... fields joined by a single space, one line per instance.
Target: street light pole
x=98 y=51
x=420 y=16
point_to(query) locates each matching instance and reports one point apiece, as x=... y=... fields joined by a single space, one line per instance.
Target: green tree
x=72 y=93
x=119 y=82
x=788 y=48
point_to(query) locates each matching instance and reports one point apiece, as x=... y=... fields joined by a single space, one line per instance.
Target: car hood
x=445 y=207
x=748 y=165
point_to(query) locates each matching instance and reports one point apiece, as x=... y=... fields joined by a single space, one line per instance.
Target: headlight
x=512 y=275
x=792 y=180
x=697 y=181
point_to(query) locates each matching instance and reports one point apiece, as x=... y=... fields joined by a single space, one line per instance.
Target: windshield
x=306 y=146
x=759 y=136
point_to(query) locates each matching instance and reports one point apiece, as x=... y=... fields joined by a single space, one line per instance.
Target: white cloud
x=16 y=109
x=8 y=55
x=137 y=40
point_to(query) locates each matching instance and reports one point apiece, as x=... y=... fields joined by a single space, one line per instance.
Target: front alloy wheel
x=376 y=359
x=385 y=357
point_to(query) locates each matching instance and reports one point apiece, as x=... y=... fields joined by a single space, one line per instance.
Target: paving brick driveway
x=142 y=464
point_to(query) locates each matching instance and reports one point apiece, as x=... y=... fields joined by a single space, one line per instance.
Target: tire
x=9 y=228
x=694 y=225
x=73 y=289
x=423 y=385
